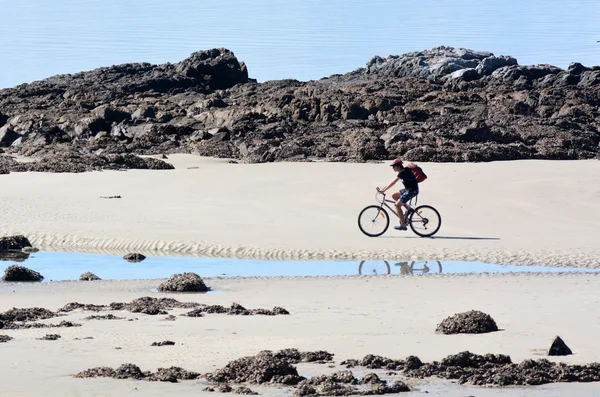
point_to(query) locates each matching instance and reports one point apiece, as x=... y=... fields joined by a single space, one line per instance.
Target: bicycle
x=424 y=220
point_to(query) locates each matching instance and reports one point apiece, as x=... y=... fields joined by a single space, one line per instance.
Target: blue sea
x=278 y=39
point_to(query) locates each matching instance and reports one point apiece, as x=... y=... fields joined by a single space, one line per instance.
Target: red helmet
x=396 y=163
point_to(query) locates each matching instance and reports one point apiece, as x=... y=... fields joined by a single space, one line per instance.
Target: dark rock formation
x=163 y=343
x=472 y=322
x=14 y=242
x=21 y=273
x=235 y=309
x=559 y=348
x=132 y=371
x=489 y=369
x=186 y=282
x=50 y=337
x=445 y=104
x=244 y=390
x=134 y=257
x=29 y=314
x=145 y=305
x=87 y=276
x=265 y=367
x=104 y=317
x=343 y=383
x=27 y=325
x=4 y=338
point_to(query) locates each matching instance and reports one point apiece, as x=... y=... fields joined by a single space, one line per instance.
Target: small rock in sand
x=163 y=343
x=559 y=348
x=87 y=276
x=4 y=338
x=50 y=337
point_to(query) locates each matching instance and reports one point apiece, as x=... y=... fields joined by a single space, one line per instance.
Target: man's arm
x=389 y=185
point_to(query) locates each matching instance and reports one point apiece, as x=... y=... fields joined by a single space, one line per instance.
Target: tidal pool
x=58 y=266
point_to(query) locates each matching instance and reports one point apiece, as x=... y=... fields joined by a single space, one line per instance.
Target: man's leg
x=399 y=203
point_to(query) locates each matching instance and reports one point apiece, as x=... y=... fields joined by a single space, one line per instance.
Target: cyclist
x=411 y=189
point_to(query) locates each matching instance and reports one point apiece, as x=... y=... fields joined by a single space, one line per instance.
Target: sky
x=277 y=39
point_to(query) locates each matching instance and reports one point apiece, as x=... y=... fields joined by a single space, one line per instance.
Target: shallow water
x=58 y=266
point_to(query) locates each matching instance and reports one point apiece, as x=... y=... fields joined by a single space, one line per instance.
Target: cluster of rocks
x=25 y=319
x=155 y=306
x=225 y=388
x=104 y=317
x=132 y=371
x=268 y=367
x=443 y=104
x=471 y=322
x=144 y=305
x=237 y=310
x=186 y=282
x=344 y=383
x=66 y=159
x=489 y=369
x=25 y=325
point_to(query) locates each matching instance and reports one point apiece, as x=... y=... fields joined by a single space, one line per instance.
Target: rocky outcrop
x=14 y=243
x=186 y=282
x=471 y=322
x=444 y=104
x=21 y=273
x=132 y=371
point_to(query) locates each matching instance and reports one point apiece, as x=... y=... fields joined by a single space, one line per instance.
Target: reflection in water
x=13 y=256
x=406 y=267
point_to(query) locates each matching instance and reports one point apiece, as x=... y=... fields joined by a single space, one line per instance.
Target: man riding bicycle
x=411 y=189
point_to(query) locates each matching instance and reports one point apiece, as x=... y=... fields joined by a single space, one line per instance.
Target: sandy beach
x=514 y=212
x=392 y=316
x=518 y=212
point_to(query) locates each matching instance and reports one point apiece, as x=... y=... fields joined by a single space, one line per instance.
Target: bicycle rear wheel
x=373 y=220
x=425 y=221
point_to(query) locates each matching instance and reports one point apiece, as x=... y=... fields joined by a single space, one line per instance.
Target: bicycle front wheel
x=425 y=221
x=373 y=221
x=373 y=268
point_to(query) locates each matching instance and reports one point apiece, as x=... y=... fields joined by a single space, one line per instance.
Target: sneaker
x=400 y=227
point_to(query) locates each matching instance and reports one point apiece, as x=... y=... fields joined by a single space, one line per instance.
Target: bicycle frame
x=384 y=202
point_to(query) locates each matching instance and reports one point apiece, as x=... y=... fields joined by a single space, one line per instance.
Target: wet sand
x=392 y=316
x=514 y=212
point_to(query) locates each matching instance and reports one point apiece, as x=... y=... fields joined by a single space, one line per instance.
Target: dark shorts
x=406 y=195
